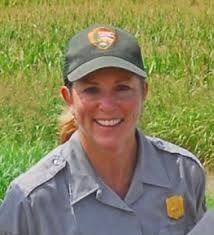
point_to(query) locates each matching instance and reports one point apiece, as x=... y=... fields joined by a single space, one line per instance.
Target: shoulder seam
x=173 y=148
x=40 y=173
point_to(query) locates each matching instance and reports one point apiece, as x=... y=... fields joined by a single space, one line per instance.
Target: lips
x=109 y=122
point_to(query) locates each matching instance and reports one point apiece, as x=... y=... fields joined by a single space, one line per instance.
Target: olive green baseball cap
x=101 y=46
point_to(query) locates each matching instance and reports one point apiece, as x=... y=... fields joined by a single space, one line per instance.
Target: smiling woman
x=107 y=177
x=106 y=106
x=106 y=87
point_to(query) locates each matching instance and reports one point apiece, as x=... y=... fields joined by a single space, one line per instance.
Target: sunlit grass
x=210 y=200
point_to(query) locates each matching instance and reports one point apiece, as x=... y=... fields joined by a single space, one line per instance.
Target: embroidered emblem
x=175 y=207
x=102 y=37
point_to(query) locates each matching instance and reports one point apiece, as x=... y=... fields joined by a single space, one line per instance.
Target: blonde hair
x=67 y=125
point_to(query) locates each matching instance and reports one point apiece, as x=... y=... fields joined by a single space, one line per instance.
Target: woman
x=107 y=177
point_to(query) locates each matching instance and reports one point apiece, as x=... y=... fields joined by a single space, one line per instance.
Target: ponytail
x=67 y=125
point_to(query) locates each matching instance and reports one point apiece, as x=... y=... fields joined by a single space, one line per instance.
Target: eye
x=91 y=90
x=122 y=87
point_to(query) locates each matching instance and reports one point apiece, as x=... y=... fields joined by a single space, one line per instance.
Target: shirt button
x=57 y=162
x=99 y=193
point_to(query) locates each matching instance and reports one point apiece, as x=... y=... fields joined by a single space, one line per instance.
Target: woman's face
x=106 y=105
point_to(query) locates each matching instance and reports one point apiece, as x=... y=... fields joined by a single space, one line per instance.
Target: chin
x=108 y=143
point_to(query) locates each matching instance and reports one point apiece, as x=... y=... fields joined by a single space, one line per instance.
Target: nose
x=107 y=103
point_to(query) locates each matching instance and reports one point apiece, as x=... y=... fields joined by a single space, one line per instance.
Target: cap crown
x=99 y=41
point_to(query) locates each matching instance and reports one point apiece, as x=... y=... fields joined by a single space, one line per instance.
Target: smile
x=109 y=123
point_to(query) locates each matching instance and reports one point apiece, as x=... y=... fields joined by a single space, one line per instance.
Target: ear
x=145 y=89
x=66 y=94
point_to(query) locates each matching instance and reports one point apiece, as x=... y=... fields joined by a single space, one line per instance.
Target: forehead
x=108 y=75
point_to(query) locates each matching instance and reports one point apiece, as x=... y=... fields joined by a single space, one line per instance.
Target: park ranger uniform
x=62 y=195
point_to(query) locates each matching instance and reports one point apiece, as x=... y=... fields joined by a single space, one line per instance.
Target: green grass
x=210 y=200
x=177 y=43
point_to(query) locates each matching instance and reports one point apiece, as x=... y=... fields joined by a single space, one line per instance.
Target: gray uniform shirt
x=62 y=195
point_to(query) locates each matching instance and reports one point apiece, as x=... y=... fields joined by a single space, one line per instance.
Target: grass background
x=177 y=39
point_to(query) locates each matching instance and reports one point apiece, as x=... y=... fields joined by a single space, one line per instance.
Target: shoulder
x=173 y=149
x=43 y=171
x=179 y=164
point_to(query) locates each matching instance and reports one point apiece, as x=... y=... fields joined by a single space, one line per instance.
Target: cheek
x=133 y=108
x=82 y=109
x=138 y=108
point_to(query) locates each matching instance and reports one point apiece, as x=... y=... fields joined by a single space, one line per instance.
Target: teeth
x=112 y=122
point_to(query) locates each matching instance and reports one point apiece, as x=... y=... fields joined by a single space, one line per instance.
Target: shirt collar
x=150 y=168
x=83 y=180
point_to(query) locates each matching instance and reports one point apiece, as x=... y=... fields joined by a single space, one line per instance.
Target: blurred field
x=177 y=39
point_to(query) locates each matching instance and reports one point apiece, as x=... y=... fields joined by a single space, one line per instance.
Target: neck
x=115 y=167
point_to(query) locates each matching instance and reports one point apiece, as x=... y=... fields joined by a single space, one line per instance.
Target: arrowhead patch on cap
x=175 y=207
x=102 y=37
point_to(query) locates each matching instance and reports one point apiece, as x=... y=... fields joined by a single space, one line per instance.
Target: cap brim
x=104 y=62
